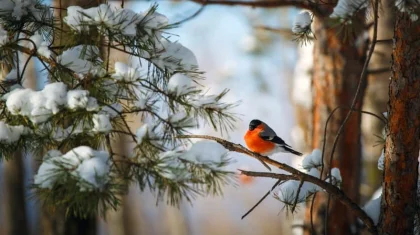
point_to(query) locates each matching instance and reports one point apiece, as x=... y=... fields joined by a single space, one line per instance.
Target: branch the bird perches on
x=295 y=174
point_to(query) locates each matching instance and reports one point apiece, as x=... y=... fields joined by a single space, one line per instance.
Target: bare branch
x=295 y=175
x=297 y=196
x=304 y=4
x=380 y=70
x=195 y=14
x=330 y=188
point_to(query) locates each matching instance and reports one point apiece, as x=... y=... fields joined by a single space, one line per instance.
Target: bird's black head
x=253 y=124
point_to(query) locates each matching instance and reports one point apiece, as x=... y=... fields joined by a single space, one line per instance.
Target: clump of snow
x=38 y=106
x=335 y=172
x=126 y=73
x=79 y=59
x=373 y=208
x=55 y=96
x=207 y=101
x=182 y=119
x=381 y=161
x=346 y=8
x=4 y=38
x=312 y=160
x=288 y=190
x=10 y=134
x=101 y=123
x=180 y=84
x=47 y=172
x=41 y=105
x=207 y=152
x=124 y=20
x=77 y=99
x=302 y=23
x=94 y=171
x=89 y=167
x=141 y=133
x=40 y=44
x=335 y=178
x=78 y=17
x=175 y=57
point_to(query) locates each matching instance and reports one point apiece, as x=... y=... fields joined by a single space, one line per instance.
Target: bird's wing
x=270 y=135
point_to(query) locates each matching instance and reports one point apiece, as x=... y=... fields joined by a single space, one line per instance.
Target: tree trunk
x=14 y=200
x=337 y=67
x=402 y=142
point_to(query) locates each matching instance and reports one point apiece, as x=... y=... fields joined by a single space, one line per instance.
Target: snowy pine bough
x=302 y=26
x=71 y=122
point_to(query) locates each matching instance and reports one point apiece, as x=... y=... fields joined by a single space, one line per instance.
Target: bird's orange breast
x=256 y=144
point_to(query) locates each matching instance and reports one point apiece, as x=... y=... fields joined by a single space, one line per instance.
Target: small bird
x=260 y=138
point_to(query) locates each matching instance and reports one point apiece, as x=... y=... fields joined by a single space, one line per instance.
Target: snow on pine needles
x=302 y=22
x=89 y=96
x=302 y=27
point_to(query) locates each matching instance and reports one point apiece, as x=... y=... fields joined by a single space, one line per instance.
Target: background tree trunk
x=338 y=64
x=14 y=201
x=14 y=196
x=376 y=99
x=402 y=142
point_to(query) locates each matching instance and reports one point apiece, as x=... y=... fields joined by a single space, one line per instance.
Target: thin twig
x=279 y=182
x=297 y=196
x=380 y=70
x=193 y=15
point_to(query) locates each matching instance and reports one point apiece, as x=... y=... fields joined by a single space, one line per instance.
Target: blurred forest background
x=251 y=52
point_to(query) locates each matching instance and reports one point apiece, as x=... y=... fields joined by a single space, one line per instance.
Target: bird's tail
x=290 y=150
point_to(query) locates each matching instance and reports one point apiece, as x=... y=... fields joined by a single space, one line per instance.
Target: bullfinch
x=260 y=138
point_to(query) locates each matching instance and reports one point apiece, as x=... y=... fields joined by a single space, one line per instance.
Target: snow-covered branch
x=87 y=99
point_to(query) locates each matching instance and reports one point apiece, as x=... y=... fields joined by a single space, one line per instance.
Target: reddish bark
x=402 y=142
x=337 y=68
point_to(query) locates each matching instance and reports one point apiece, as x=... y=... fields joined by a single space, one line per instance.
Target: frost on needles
x=87 y=99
